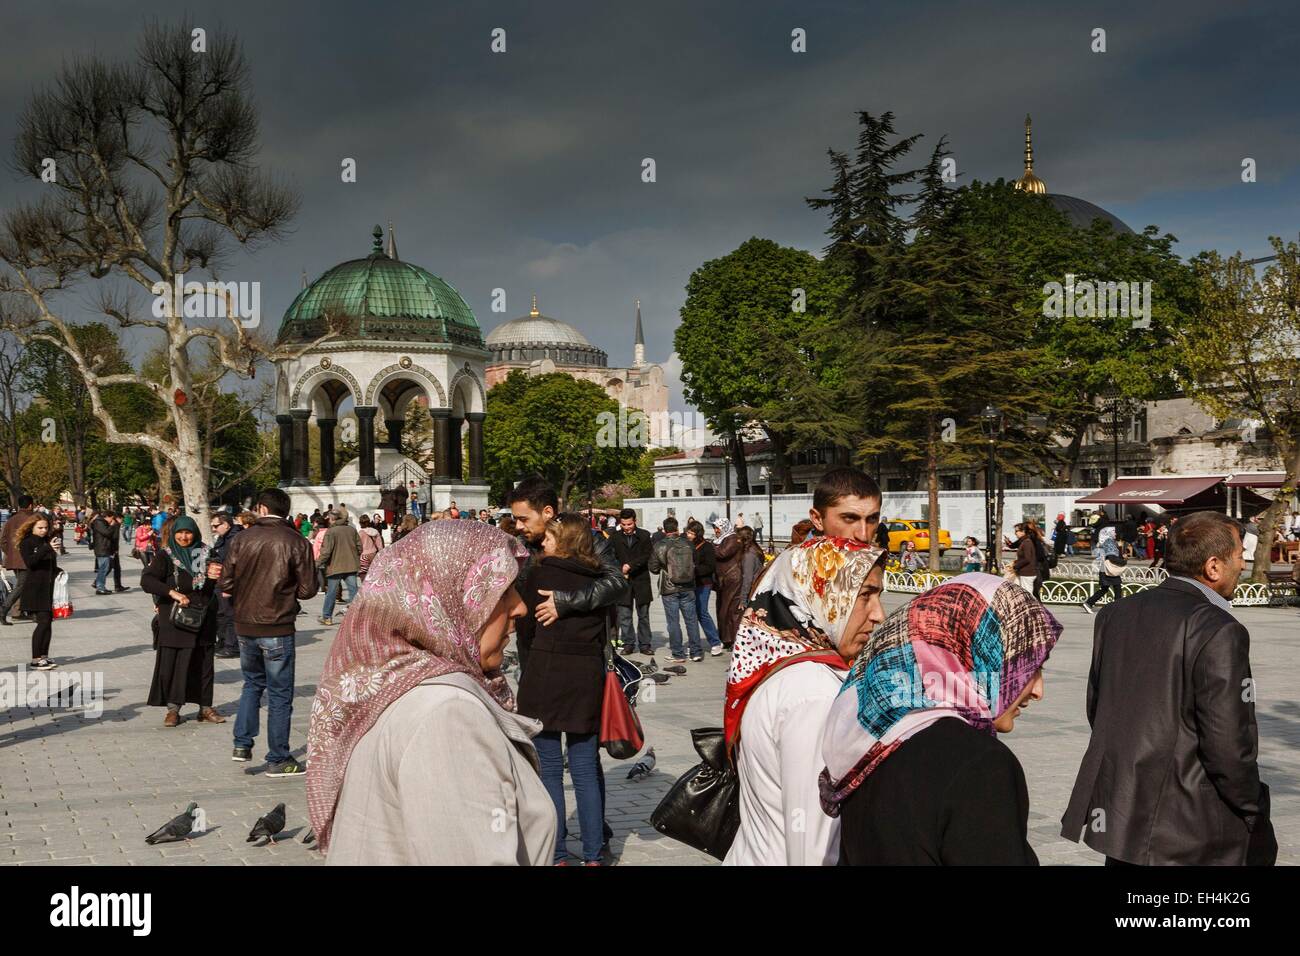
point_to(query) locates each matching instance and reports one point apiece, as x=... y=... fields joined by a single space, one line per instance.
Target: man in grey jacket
x=673 y=559
x=1171 y=773
x=340 y=556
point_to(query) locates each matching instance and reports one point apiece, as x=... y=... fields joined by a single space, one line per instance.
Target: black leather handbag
x=187 y=617
x=702 y=809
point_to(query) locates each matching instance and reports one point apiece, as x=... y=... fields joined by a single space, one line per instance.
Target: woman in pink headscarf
x=416 y=754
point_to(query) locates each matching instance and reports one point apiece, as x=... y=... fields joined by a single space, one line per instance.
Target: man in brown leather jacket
x=268 y=569
x=1171 y=773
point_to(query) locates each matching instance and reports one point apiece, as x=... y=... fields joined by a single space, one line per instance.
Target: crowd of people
x=855 y=736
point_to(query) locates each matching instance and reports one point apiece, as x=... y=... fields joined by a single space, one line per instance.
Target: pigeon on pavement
x=643 y=766
x=265 y=829
x=176 y=829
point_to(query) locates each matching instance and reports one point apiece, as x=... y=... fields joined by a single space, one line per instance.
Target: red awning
x=1257 y=479
x=1158 y=491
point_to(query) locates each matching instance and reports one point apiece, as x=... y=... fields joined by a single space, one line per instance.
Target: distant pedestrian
x=706 y=568
x=972 y=557
x=726 y=549
x=372 y=542
x=631 y=547
x=673 y=559
x=268 y=570
x=223 y=533
x=41 y=568
x=1110 y=568
x=757 y=524
x=13 y=558
x=340 y=555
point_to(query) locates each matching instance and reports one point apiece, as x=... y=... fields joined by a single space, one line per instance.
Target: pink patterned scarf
x=419 y=614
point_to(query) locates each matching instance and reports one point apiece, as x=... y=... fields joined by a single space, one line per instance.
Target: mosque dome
x=1079 y=212
x=534 y=337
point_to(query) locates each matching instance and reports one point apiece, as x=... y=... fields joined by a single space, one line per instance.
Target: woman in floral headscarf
x=416 y=754
x=914 y=769
x=813 y=610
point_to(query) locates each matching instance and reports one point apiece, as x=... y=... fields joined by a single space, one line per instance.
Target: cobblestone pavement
x=77 y=790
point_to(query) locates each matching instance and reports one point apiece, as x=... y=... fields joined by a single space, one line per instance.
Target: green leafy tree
x=1240 y=350
x=640 y=475
x=550 y=425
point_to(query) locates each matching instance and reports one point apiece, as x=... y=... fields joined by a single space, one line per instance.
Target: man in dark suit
x=1170 y=775
x=632 y=550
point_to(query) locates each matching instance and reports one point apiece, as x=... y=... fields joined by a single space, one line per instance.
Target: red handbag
x=620 y=728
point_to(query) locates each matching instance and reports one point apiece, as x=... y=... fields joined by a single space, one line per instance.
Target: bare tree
x=12 y=405
x=149 y=177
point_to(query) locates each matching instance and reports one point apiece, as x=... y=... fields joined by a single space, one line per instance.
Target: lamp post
x=991 y=425
x=722 y=444
x=766 y=475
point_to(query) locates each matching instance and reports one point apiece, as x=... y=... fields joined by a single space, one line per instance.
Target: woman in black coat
x=183 y=666
x=706 y=570
x=38 y=586
x=564 y=682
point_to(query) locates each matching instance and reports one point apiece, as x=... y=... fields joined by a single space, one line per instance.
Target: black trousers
x=117 y=572
x=41 y=636
x=1107 y=583
x=16 y=591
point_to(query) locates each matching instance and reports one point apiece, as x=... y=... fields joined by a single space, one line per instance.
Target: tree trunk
x=741 y=473
x=932 y=484
x=1072 y=455
x=1276 y=510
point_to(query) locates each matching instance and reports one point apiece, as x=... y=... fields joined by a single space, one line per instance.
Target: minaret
x=638 y=350
x=392 y=241
x=1029 y=182
x=304 y=278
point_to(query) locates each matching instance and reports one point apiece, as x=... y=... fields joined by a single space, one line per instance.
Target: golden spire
x=1029 y=182
x=534 y=309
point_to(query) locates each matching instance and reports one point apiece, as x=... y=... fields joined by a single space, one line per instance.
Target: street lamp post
x=771 y=524
x=721 y=443
x=991 y=425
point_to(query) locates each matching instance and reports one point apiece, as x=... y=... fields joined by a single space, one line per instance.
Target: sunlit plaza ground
x=77 y=790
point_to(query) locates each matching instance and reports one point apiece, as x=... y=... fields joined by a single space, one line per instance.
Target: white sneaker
x=715 y=650
x=1087 y=607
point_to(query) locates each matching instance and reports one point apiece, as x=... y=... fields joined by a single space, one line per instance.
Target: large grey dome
x=1081 y=213
x=534 y=337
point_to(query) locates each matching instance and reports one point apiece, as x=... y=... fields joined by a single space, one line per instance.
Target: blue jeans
x=683 y=601
x=267 y=664
x=702 y=612
x=584 y=769
x=335 y=581
x=102 y=567
x=642 y=637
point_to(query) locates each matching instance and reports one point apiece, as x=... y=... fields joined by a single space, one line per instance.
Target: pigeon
x=649 y=668
x=678 y=669
x=659 y=678
x=643 y=766
x=310 y=839
x=176 y=829
x=265 y=829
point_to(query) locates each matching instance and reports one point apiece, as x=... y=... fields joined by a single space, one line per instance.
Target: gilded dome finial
x=534 y=311
x=1029 y=182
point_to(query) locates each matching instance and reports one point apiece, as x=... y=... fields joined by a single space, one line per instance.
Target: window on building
x=708 y=492
x=676 y=493
x=1096 y=477
x=663 y=493
x=897 y=484
x=688 y=493
x=758 y=489
x=950 y=482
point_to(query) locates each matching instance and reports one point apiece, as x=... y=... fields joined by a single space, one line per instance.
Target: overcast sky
x=522 y=170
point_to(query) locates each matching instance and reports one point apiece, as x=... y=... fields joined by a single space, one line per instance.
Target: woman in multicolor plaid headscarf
x=914 y=768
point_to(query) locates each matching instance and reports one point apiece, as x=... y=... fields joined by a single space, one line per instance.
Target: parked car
x=916 y=531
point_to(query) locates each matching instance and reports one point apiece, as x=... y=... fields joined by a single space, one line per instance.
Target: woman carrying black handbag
x=182 y=580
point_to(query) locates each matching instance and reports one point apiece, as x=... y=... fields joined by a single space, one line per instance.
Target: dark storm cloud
x=522 y=170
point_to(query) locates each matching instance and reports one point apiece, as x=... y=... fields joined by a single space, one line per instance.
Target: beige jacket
x=445 y=777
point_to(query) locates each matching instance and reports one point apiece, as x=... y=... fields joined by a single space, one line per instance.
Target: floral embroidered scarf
x=801 y=606
x=965 y=649
x=422 y=606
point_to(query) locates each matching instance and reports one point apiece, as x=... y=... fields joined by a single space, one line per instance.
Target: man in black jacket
x=1170 y=775
x=223 y=532
x=632 y=550
x=103 y=536
x=534 y=504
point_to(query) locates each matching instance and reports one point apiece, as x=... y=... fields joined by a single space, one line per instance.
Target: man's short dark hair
x=275 y=501
x=536 y=492
x=25 y=501
x=670 y=525
x=1198 y=537
x=222 y=517
x=626 y=513
x=843 y=483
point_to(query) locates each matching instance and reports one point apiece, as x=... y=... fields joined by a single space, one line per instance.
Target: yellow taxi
x=916 y=531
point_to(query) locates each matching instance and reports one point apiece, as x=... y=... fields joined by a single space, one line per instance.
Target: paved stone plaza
x=75 y=790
